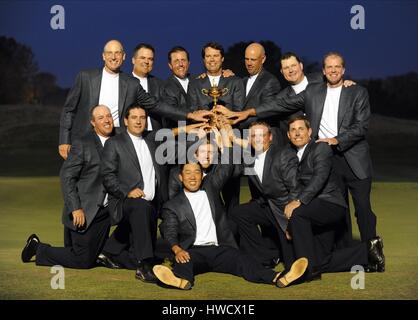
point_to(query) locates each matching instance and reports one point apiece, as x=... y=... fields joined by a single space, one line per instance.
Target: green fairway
x=33 y=205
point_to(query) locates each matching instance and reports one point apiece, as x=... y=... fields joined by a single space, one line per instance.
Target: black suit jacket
x=179 y=224
x=174 y=95
x=81 y=182
x=279 y=185
x=353 y=120
x=121 y=172
x=264 y=87
x=315 y=176
x=233 y=100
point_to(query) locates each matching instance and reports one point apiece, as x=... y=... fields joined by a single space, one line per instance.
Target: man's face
x=260 y=138
x=254 y=60
x=213 y=61
x=179 y=64
x=143 y=62
x=136 y=122
x=334 y=70
x=113 y=56
x=292 y=70
x=191 y=176
x=205 y=154
x=102 y=121
x=299 y=134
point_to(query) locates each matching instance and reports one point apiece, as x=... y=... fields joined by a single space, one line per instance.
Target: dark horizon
x=384 y=48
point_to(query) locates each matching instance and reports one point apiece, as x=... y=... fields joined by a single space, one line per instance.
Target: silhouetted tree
x=18 y=68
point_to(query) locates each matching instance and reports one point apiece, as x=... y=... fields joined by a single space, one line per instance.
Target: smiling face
x=136 y=121
x=113 y=56
x=299 y=134
x=179 y=64
x=334 y=70
x=143 y=62
x=292 y=70
x=102 y=121
x=191 y=177
x=213 y=61
x=260 y=138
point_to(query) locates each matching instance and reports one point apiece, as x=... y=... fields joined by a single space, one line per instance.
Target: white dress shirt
x=109 y=94
x=250 y=83
x=103 y=140
x=214 y=80
x=146 y=164
x=144 y=85
x=301 y=86
x=205 y=226
x=259 y=164
x=328 y=127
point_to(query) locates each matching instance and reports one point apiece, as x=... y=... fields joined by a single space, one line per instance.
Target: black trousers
x=222 y=259
x=134 y=238
x=249 y=217
x=84 y=248
x=360 y=191
x=313 y=229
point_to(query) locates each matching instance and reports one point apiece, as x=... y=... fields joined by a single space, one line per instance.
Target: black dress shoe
x=107 y=262
x=144 y=273
x=376 y=256
x=30 y=248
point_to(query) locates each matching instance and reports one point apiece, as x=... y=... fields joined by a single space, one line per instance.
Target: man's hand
x=181 y=256
x=292 y=205
x=136 y=193
x=64 y=150
x=348 y=83
x=78 y=218
x=199 y=115
x=227 y=73
x=330 y=141
x=222 y=110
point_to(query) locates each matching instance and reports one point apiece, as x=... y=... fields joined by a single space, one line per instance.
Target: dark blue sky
x=387 y=46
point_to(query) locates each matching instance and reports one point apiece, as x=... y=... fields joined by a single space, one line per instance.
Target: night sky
x=387 y=46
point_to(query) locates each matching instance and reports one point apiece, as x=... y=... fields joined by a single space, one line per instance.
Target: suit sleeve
x=322 y=164
x=109 y=170
x=278 y=105
x=70 y=175
x=169 y=226
x=289 y=165
x=69 y=111
x=360 y=122
x=223 y=170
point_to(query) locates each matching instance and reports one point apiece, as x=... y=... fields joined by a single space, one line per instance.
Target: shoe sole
x=296 y=271
x=24 y=258
x=166 y=276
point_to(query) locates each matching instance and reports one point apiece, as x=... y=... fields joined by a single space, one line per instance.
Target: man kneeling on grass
x=195 y=225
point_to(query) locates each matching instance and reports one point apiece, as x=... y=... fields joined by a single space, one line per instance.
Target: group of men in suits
x=299 y=191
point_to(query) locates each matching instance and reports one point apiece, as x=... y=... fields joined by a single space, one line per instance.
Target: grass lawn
x=33 y=205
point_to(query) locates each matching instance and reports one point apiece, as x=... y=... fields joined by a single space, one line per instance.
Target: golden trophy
x=215 y=92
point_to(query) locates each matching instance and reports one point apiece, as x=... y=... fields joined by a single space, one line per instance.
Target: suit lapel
x=123 y=87
x=307 y=149
x=97 y=144
x=342 y=106
x=267 y=164
x=130 y=149
x=95 y=84
x=188 y=211
x=317 y=112
x=151 y=147
x=255 y=86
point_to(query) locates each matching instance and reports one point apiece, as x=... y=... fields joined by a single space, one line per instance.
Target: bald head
x=255 y=56
x=113 y=56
